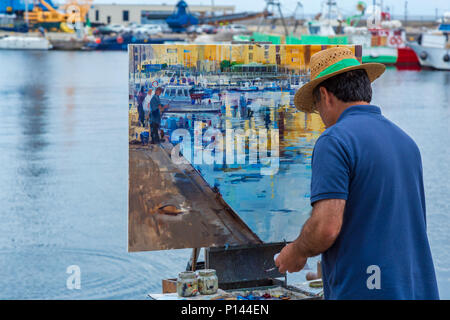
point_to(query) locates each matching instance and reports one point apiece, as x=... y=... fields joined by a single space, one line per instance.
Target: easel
x=192 y=264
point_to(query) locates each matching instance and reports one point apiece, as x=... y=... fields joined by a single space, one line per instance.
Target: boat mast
x=26 y=12
x=406 y=12
x=329 y=3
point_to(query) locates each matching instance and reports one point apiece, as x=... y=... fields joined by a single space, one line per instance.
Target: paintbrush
x=274 y=258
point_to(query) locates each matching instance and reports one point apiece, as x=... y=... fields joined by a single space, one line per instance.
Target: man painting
x=368 y=219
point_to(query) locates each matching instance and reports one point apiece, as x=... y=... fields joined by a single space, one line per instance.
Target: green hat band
x=344 y=63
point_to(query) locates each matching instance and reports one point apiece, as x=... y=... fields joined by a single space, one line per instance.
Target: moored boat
x=10 y=22
x=179 y=99
x=383 y=45
x=24 y=43
x=246 y=86
x=121 y=42
x=197 y=93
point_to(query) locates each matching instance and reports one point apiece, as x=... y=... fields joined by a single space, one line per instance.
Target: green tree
x=225 y=65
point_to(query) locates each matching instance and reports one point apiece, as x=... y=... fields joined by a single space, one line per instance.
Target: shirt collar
x=359 y=109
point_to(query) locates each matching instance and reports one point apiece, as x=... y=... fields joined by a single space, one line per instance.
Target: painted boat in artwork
x=179 y=99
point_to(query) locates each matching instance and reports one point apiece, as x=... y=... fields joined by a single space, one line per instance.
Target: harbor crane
x=294 y=16
x=44 y=13
x=274 y=4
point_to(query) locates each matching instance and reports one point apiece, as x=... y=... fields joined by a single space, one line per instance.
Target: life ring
x=155 y=84
x=395 y=40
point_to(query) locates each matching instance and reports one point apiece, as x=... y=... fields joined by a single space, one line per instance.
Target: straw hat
x=326 y=64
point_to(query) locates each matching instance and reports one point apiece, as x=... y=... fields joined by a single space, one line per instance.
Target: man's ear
x=325 y=96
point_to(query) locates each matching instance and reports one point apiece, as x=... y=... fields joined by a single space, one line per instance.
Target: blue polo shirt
x=382 y=251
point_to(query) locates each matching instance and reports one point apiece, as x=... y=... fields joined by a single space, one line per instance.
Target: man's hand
x=162 y=108
x=290 y=260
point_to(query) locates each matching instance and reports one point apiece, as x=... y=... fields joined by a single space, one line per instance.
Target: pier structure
x=172 y=206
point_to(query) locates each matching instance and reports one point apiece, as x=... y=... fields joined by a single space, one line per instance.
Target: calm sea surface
x=64 y=176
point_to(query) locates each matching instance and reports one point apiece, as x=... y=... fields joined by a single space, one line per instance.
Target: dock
x=171 y=206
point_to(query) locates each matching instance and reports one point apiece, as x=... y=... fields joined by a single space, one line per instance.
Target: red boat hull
x=407 y=57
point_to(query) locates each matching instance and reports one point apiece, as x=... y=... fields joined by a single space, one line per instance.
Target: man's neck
x=354 y=103
x=345 y=105
x=342 y=106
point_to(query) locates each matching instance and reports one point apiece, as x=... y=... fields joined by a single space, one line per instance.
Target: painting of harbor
x=227 y=111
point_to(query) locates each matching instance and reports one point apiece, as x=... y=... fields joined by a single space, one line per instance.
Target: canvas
x=228 y=134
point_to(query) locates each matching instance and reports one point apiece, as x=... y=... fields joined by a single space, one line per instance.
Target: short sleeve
x=330 y=170
x=152 y=104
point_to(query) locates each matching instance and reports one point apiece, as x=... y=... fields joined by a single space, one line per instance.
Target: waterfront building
x=146 y=13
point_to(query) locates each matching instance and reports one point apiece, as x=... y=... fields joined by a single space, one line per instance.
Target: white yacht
x=433 y=48
x=179 y=99
x=24 y=43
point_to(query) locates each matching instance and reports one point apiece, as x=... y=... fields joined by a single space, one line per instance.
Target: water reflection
x=63 y=199
x=33 y=119
x=63 y=196
x=69 y=121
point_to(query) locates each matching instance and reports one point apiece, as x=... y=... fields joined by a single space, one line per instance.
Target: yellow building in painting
x=207 y=58
x=190 y=56
x=195 y=55
x=294 y=57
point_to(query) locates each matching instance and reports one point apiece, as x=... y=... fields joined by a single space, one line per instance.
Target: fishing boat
x=24 y=43
x=433 y=48
x=10 y=22
x=247 y=87
x=179 y=99
x=273 y=86
x=384 y=43
x=378 y=44
x=176 y=95
x=200 y=93
x=197 y=93
x=121 y=42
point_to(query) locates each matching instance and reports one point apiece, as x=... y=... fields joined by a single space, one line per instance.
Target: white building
x=138 y=13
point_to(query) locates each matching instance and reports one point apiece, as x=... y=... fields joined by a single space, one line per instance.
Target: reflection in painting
x=228 y=113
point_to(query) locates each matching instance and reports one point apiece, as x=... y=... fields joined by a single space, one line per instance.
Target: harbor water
x=64 y=175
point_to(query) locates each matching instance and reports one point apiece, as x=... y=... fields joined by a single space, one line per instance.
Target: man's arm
x=318 y=234
x=162 y=108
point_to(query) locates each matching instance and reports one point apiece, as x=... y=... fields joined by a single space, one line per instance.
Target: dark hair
x=349 y=86
x=159 y=89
